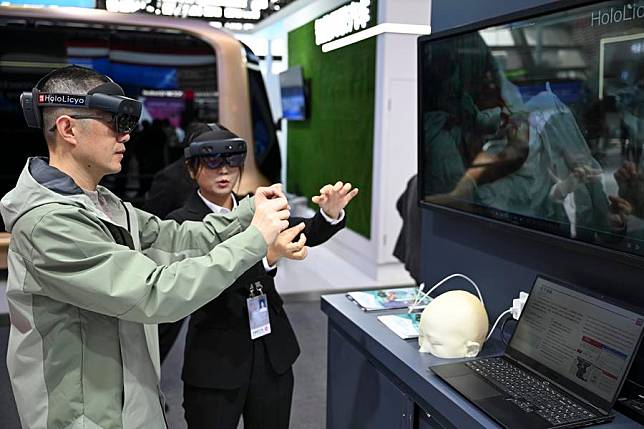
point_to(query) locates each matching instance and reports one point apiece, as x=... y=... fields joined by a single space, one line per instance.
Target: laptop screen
x=583 y=343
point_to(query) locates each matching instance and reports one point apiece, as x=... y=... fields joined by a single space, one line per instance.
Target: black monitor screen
x=293 y=97
x=540 y=122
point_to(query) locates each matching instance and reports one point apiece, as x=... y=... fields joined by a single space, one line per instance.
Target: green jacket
x=85 y=292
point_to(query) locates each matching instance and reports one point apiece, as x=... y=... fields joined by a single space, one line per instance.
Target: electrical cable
x=509 y=319
x=426 y=294
x=508 y=311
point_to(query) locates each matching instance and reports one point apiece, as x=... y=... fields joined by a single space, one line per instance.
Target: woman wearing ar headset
x=228 y=370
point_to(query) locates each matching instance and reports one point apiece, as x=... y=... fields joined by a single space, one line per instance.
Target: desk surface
x=402 y=359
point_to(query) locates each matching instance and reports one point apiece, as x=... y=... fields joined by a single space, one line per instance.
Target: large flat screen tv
x=293 y=94
x=537 y=120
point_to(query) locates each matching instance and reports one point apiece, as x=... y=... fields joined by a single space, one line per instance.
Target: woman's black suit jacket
x=218 y=352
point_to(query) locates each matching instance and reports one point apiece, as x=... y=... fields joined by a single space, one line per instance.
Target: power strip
x=518 y=304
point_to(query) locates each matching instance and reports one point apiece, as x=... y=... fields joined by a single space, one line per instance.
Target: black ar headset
x=108 y=97
x=216 y=147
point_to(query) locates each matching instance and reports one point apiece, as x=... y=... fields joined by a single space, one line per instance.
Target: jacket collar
x=196 y=206
x=52 y=178
x=215 y=208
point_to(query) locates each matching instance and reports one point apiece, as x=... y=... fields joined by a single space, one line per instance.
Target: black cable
x=503 y=328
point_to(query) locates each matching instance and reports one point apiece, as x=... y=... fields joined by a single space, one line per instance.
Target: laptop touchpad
x=473 y=387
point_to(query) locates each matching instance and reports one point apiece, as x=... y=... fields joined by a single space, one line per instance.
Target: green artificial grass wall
x=336 y=141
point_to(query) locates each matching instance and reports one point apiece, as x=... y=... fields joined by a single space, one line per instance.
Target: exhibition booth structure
x=181 y=70
x=349 y=74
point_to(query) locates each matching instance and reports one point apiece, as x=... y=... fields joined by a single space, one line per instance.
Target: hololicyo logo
x=616 y=15
x=72 y=100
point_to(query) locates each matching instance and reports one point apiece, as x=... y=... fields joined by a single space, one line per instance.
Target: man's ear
x=67 y=129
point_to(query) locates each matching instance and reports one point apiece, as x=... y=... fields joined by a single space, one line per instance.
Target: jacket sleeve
x=317 y=229
x=167 y=241
x=74 y=259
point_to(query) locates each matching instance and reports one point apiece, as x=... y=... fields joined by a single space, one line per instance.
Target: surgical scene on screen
x=541 y=123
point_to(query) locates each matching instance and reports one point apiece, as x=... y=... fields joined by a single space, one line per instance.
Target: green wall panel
x=336 y=141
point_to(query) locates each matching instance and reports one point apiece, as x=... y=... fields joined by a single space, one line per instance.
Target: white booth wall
x=349 y=260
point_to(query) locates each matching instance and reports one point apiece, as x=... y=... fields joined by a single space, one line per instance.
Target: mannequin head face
x=453 y=325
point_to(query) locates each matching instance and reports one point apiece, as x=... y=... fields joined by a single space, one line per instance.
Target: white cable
x=426 y=294
x=421 y=287
x=497 y=322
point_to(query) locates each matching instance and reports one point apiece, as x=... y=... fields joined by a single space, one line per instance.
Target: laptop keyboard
x=528 y=392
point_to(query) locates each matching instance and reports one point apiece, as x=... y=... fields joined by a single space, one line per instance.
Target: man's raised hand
x=271 y=217
x=264 y=193
x=285 y=247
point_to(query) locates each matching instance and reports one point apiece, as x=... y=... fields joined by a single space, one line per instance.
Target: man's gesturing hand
x=271 y=217
x=285 y=247
x=264 y=193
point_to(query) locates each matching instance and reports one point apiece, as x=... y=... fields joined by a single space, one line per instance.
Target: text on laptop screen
x=587 y=341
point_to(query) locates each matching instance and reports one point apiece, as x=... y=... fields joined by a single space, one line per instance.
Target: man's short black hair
x=73 y=80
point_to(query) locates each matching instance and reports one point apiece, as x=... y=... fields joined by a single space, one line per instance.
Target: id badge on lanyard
x=257 y=304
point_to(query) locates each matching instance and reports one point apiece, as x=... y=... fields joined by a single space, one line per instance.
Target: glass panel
x=500 y=37
x=547 y=35
x=559 y=58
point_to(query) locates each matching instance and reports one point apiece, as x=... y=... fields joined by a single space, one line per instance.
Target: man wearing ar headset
x=85 y=285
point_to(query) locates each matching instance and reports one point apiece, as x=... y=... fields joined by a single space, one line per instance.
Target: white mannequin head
x=453 y=325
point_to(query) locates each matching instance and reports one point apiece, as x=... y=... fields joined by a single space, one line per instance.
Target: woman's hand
x=334 y=198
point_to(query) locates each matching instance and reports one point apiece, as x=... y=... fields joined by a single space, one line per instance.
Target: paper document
x=405 y=325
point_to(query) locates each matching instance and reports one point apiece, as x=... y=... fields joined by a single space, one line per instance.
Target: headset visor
x=218 y=160
x=124 y=123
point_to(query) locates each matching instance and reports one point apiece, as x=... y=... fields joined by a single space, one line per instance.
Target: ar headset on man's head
x=216 y=147
x=107 y=97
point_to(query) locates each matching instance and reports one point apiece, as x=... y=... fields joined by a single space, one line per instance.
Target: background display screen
x=540 y=123
x=293 y=94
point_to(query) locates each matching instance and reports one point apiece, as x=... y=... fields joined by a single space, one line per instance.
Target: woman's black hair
x=194 y=130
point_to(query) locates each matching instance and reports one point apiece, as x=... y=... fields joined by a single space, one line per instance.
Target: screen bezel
x=586 y=395
x=514 y=223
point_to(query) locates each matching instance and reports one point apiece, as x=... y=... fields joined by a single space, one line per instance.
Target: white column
x=395 y=144
x=349 y=260
x=395 y=134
